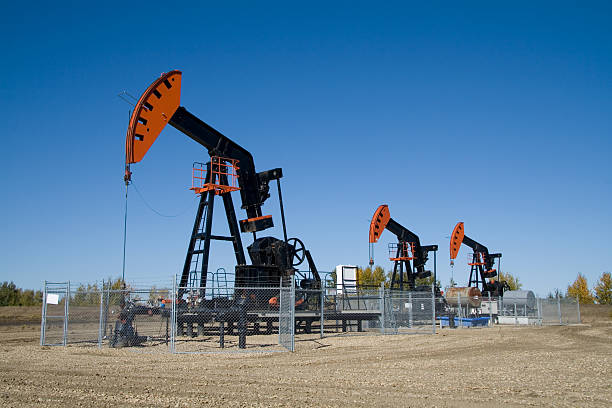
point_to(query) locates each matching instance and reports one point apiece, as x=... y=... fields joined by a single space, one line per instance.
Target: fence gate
x=389 y=324
x=286 y=317
x=407 y=312
x=54 y=324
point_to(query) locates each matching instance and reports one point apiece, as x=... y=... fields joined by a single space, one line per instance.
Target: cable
x=153 y=209
x=124 y=233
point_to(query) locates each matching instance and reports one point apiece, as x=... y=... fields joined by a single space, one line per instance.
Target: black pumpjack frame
x=482 y=268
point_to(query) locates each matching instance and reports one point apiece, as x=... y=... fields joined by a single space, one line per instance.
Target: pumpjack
x=481 y=264
x=231 y=168
x=407 y=249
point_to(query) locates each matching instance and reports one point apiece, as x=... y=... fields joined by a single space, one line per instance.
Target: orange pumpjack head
x=456 y=240
x=152 y=112
x=379 y=222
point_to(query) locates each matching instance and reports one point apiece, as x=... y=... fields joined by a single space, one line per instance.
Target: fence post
x=410 y=314
x=515 y=316
x=43 y=318
x=106 y=306
x=321 y=323
x=539 y=305
x=280 y=309
x=292 y=303
x=173 y=317
x=460 y=311
x=100 y=323
x=433 y=308
x=490 y=311
x=559 y=308
x=381 y=300
x=578 y=306
x=66 y=314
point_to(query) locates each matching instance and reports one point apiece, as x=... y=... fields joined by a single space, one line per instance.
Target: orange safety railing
x=406 y=252
x=222 y=179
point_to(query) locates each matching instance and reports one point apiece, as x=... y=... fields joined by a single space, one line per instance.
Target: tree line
x=374 y=277
x=601 y=293
x=11 y=295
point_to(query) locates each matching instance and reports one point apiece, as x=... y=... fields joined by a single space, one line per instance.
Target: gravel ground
x=550 y=366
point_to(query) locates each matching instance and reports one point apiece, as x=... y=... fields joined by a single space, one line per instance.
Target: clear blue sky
x=497 y=116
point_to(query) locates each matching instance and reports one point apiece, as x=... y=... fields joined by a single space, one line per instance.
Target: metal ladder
x=194 y=272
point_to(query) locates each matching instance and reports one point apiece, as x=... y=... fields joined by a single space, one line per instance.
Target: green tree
x=603 y=289
x=427 y=281
x=115 y=290
x=30 y=298
x=369 y=277
x=512 y=281
x=86 y=295
x=580 y=289
x=9 y=294
x=331 y=280
x=154 y=296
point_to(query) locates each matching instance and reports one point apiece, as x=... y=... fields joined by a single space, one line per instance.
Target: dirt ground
x=566 y=366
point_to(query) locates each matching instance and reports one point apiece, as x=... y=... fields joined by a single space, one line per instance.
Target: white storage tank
x=520 y=298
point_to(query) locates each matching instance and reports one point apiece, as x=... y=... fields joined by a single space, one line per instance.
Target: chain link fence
x=462 y=310
x=408 y=312
x=470 y=311
x=54 y=324
x=84 y=317
x=237 y=319
x=364 y=311
x=135 y=317
x=94 y=316
x=351 y=312
x=204 y=320
x=553 y=311
x=539 y=311
x=286 y=317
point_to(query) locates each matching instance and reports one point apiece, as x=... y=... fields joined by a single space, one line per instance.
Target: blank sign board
x=52 y=298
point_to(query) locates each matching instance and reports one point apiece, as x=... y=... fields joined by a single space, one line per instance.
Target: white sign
x=52 y=298
x=346 y=279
